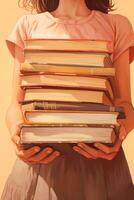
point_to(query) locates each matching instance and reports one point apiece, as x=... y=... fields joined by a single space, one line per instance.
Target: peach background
x=7 y=22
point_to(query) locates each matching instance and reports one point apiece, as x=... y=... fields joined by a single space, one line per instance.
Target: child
x=100 y=173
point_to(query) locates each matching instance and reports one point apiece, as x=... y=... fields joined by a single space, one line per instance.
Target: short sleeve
x=124 y=37
x=17 y=35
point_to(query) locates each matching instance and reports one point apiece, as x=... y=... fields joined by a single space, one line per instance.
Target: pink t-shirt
x=112 y=27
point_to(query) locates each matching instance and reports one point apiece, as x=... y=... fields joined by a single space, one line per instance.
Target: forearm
x=122 y=67
x=129 y=111
x=14 y=113
x=13 y=116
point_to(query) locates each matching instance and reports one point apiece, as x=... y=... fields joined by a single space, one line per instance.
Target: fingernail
x=57 y=153
x=49 y=150
x=17 y=142
x=80 y=144
x=96 y=144
x=37 y=149
x=122 y=137
x=75 y=148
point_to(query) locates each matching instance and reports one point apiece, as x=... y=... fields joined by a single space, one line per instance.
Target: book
x=68 y=126
x=67 y=95
x=92 y=83
x=68 y=44
x=72 y=106
x=50 y=68
x=66 y=134
x=45 y=69
x=69 y=117
x=69 y=58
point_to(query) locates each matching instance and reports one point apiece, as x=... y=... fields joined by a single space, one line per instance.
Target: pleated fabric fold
x=70 y=178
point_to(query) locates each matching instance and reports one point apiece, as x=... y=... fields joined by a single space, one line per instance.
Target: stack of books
x=69 y=90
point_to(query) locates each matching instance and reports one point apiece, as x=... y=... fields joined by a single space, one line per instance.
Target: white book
x=66 y=134
x=70 y=117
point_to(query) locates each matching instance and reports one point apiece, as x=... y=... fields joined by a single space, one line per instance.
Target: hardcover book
x=70 y=106
x=92 y=83
x=31 y=134
x=70 y=117
x=68 y=44
x=68 y=95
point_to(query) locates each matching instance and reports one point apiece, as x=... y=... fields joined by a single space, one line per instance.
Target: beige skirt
x=70 y=177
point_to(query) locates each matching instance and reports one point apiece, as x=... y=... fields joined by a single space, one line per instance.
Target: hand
x=102 y=150
x=43 y=157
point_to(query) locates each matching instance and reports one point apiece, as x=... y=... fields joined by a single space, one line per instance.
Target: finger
x=16 y=150
x=88 y=149
x=43 y=154
x=120 y=121
x=25 y=154
x=106 y=149
x=15 y=139
x=82 y=152
x=100 y=154
x=122 y=132
x=50 y=158
x=108 y=156
x=16 y=127
x=20 y=123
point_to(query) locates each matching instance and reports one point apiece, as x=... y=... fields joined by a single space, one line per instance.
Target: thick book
x=67 y=95
x=69 y=117
x=92 y=83
x=68 y=44
x=69 y=58
x=50 y=68
x=66 y=134
x=74 y=106
x=54 y=69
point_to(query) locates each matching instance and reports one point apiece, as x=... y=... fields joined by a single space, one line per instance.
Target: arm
x=14 y=114
x=14 y=117
x=123 y=81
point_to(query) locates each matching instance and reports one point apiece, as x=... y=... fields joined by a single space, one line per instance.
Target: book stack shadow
x=70 y=87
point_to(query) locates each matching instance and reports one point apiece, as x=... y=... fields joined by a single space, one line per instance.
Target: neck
x=71 y=9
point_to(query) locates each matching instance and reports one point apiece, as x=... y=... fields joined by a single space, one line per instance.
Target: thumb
x=120 y=121
x=122 y=133
x=16 y=132
x=15 y=138
x=20 y=122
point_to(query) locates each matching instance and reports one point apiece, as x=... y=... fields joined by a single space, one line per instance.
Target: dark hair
x=50 y=5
